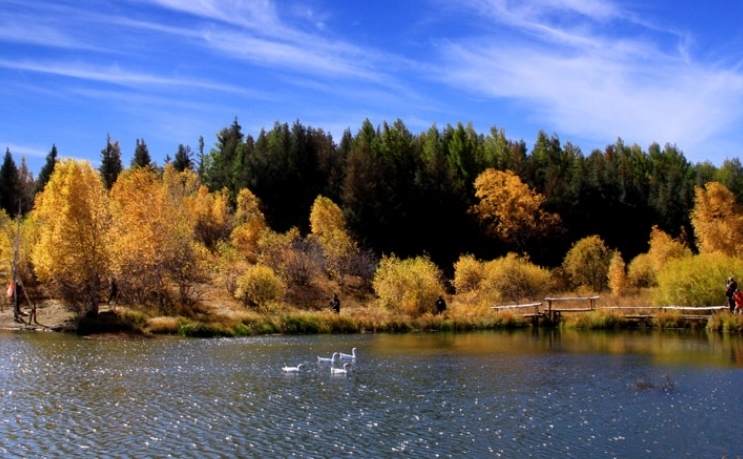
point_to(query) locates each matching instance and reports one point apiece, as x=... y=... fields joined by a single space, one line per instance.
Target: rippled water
x=550 y=394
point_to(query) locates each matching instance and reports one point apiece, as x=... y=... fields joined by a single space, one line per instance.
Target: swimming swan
x=341 y=371
x=332 y=359
x=296 y=369
x=351 y=356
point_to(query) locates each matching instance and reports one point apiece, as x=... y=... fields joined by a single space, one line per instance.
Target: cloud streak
x=591 y=85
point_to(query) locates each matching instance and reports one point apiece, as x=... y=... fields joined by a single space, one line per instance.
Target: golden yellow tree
x=617 y=274
x=664 y=248
x=510 y=210
x=328 y=226
x=212 y=215
x=644 y=268
x=7 y=238
x=717 y=220
x=152 y=235
x=72 y=215
x=250 y=224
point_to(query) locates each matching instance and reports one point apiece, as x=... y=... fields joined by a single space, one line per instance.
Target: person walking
x=440 y=305
x=335 y=304
x=732 y=286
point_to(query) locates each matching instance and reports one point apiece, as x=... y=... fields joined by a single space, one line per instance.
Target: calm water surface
x=496 y=394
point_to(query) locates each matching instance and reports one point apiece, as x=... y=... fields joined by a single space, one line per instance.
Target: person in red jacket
x=730 y=291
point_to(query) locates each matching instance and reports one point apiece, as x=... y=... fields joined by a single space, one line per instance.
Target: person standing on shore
x=335 y=304
x=732 y=286
x=440 y=305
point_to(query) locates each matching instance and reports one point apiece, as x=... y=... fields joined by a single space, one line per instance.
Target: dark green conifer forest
x=411 y=193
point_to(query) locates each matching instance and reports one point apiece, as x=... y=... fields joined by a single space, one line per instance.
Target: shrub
x=587 y=263
x=468 y=273
x=664 y=248
x=514 y=278
x=640 y=272
x=411 y=285
x=697 y=280
x=228 y=265
x=294 y=258
x=258 y=286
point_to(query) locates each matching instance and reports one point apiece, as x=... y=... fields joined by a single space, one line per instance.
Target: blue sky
x=169 y=71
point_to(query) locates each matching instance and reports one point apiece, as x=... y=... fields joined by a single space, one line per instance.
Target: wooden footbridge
x=554 y=311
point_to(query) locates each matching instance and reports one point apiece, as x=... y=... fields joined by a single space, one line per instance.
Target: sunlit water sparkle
x=550 y=394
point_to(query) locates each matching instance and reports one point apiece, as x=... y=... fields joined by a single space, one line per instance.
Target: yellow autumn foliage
x=587 y=263
x=71 y=254
x=468 y=274
x=410 y=286
x=250 y=224
x=151 y=234
x=617 y=275
x=510 y=210
x=514 y=279
x=211 y=214
x=328 y=226
x=258 y=286
x=717 y=220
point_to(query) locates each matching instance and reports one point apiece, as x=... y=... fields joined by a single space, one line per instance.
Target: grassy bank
x=373 y=320
x=306 y=311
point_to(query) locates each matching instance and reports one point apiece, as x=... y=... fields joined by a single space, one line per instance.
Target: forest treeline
x=408 y=194
x=434 y=193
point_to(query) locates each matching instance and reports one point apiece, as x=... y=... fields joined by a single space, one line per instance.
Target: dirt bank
x=50 y=315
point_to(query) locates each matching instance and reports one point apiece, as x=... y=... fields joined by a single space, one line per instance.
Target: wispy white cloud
x=591 y=85
x=38 y=34
x=114 y=74
x=261 y=36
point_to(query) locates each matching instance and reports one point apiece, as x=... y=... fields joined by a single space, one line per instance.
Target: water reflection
x=512 y=394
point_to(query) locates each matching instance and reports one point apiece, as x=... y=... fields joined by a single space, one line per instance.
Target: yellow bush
x=259 y=286
x=587 y=263
x=697 y=280
x=410 y=286
x=664 y=248
x=514 y=278
x=640 y=272
x=468 y=273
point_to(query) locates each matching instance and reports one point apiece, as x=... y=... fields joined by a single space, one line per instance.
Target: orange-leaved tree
x=510 y=210
x=72 y=218
x=717 y=220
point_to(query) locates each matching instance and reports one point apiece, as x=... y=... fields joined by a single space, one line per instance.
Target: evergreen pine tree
x=26 y=187
x=46 y=170
x=182 y=160
x=141 y=155
x=111 y=165
x=9 y=185
x=200 y=166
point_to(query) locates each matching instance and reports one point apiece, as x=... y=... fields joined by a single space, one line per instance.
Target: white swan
x=332 y=359
x=351 y=356
x=296 y=369
x=341 y=371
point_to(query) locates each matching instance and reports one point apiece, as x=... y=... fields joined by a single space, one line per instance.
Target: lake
x=540 y=393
